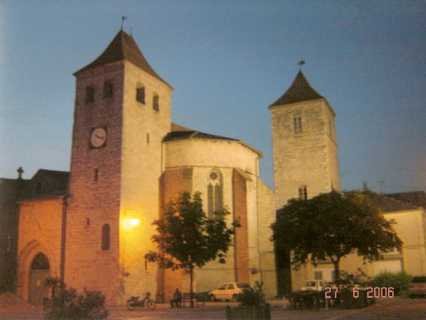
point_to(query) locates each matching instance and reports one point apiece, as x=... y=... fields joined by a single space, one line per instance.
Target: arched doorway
x=39 y=271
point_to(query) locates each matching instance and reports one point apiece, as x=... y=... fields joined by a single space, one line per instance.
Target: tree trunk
x=336 y=269
x=191 y=284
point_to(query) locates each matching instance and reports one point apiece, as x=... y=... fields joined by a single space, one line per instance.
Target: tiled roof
x=300 y=90
x=123 y=47
x=417 y=198
x=178 y=127
x=181 y=133
x=387 y=204
x=186 y=134
x=46 y=183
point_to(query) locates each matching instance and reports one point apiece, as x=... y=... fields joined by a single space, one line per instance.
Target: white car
x=228 y=291
x=315 y=285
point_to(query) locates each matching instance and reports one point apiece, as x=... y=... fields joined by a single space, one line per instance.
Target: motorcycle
x=138 y=302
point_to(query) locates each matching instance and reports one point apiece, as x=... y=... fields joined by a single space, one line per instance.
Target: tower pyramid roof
x=123 y=47
x=300 y=90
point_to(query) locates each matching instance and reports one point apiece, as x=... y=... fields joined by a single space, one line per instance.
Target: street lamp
x=130 y=223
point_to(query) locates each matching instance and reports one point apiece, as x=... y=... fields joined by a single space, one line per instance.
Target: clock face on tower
x=98 y=137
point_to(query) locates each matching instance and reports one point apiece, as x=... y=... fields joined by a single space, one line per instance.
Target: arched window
x=40 y=262
x=106 y=237
x=214 y=192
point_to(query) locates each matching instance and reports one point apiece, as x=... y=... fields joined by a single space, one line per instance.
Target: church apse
x=225 y=172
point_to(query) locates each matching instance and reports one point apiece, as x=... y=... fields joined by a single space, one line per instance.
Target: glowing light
x=130 y=223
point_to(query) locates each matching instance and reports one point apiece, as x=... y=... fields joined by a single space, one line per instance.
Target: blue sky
x=228 y=60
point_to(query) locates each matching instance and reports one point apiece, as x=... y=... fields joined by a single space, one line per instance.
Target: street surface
x=395 y=309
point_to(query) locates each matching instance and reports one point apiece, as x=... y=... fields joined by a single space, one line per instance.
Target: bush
x=308 y=299
x=252 y=296
x=399 y=281
x=347 y=300
x=67 y=304
x=262 y=312
x=252 y=306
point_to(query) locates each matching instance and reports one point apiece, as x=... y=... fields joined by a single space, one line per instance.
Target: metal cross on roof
x=20 y=172
x=123 y=18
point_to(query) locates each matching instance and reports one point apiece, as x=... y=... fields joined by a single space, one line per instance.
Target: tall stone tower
x=122 y=112
x=304 y=143
x=305 y=158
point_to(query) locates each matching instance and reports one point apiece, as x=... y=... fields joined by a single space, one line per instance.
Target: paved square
x=397 y=309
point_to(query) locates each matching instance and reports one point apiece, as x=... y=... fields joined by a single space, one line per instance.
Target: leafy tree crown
x=332 y=225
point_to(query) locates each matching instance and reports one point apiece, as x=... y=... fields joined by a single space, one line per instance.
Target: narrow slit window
x=156 y=102
x=140 y=94
x=106 y=237
x=90 y=94
x=9 y=243
x=303 y=193
x=108 y=89
x=210 y=199
x=39 y=187
x=96 y=175
x=147 y=138
x=218 y=202
x=297 y=124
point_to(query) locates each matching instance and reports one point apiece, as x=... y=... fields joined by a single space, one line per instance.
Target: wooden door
x=39 y=272
x=38 y=289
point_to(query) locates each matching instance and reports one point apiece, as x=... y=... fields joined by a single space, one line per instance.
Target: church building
x=92 y=226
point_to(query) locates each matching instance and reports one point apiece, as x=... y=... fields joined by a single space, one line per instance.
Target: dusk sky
x=227 y=61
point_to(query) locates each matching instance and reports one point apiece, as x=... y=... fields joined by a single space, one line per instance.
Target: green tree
x=332 y=225
x=186 y=238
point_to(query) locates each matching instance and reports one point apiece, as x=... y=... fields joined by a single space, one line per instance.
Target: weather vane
x=301 y=63
x=20 y=172
x=123 y=18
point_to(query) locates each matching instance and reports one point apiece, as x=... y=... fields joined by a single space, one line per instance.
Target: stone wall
x=9 y=192
x=173 y=183
x=210 y=153
x=95 y=202
x=266 y=210
x=143 y=129
x=224 y=156
x=214 y=273
x=40 y=231
x=241 y=253
x=307 y=158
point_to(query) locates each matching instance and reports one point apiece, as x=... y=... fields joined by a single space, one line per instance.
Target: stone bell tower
x=122 y=112
x=304 y=156
x=304 y=143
